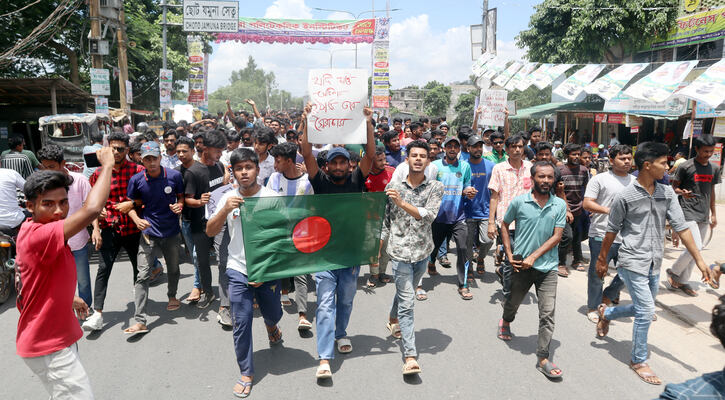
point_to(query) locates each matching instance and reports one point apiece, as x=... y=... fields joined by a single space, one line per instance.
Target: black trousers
x=113 y=242
x=459 y=232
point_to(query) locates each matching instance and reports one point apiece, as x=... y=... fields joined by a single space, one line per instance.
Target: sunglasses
x=497 y=142
x=119 y=149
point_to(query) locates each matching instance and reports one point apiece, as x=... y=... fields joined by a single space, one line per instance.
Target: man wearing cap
x=161 y=193
x=476 y=209
x=455 y=175
x=336 y=288
x=558 y=151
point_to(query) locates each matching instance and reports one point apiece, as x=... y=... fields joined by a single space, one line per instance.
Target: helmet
x=142 y=127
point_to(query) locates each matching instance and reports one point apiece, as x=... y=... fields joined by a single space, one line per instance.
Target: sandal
x=137 y=328
x=432 y=269
x=411 y=367
x=244 y=386
x=421 y=295
x=284 y=299
x=673 y=283
x=323 y=372
x=194 y=296
x=444 y=262
x=275 y=336
x=603 y=323
x=304 y=325
x=563 y=271
x=714 y=282
x=504 y=331
x=371 y=282
x=646 y=376
x=579 y=266
x=465 y=293
x=394 y=329
x=342 y=343
x=173 y=305
x=547 y=369
x=480 y=267
x=384 y=278
x=688 y=290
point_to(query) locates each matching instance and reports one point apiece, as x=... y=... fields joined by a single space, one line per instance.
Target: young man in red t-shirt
x=380 y=175
x=48 y=329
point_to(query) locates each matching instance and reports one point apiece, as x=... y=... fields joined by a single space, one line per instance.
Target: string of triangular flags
x=657 y=86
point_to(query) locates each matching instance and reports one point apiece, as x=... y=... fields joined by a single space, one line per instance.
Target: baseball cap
x=337 y=151
x=489 y=129
x=557 y=142
x=450 y=139
x=475 y=139
x=150 y=149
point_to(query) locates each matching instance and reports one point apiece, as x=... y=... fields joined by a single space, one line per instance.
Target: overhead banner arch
x=268 y=30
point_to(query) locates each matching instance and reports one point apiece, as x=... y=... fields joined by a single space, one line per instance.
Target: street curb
x=681 y=316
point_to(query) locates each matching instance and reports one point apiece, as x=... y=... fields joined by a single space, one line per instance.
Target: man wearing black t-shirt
x=694 y=182
x=199 y=181
x=336 y=289
x=185 y=152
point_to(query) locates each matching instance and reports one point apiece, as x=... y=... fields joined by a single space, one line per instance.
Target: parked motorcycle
x=7 y=266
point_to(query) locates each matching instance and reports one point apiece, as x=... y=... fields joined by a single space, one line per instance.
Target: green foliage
x=252 y=83
x=582 y=31
x=530 y=97
x=437 y=98
x=464 y=109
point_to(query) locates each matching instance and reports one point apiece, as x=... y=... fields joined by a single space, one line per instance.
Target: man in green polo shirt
x=497 y=154
x=540 y=218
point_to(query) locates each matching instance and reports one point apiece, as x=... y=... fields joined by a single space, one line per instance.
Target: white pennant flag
x=574 y=85
x=612 y=83
x=519 y=81
x=506 y=75
x=708 y=88
x=544 y=79
x=662 y=82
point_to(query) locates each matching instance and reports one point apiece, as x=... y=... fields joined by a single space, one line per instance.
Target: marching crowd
x=512 y=202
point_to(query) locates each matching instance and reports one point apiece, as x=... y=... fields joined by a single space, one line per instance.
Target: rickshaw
x=72 y=132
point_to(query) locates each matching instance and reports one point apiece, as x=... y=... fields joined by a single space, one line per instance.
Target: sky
x=429 y=40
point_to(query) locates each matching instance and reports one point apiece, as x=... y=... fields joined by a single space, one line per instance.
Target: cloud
x=418 y=53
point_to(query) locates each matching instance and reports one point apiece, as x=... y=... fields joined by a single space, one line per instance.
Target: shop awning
x=545 y=110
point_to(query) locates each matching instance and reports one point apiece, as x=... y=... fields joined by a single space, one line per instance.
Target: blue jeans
x=83 y=272
x=189 y=243
x=643 y=290
x=335 y=293
x=595 y=284
x=406 y=277
x=241 y=297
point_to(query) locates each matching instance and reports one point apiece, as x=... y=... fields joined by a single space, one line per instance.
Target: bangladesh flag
x=295 y=235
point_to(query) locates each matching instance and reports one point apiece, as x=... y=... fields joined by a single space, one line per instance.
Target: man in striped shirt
x=18 y=159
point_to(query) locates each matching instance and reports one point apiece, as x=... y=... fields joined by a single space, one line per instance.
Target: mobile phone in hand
x=91 y=160
x=518 y=257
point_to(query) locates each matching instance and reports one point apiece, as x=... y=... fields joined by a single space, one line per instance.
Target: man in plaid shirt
x=117 y=230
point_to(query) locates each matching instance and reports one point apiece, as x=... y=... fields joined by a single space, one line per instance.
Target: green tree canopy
x=437 y=98
x=464 y=109
x=581 y=31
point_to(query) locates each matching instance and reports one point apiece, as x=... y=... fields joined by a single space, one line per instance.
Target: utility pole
x=95 y=14
x=163 y=32
x=484 y=20
x=122 y=61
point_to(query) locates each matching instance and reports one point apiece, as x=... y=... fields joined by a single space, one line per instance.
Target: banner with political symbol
x=612 y=83
x=662 y=82
x=709 y=87
x=338 y=97
x=574 y=85
x=519 y=81
x=503 y=78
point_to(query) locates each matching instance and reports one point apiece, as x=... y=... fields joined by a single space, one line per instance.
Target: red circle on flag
x=311 y=234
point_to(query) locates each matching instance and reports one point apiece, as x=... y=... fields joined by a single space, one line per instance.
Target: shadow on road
x=622 y=351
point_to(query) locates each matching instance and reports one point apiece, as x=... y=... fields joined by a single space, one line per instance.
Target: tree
x=464 y=109
x=583 y=31
x=530 y=97
x=437 y=98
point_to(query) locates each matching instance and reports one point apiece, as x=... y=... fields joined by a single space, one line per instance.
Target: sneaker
x=205 y=300
x=224 y=317
x=94 y=322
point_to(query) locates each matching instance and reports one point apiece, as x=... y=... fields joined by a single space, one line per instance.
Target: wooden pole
x=53 y=100
x=692 y=126
x=122 y=61
x=94 y=9
x=566 y=128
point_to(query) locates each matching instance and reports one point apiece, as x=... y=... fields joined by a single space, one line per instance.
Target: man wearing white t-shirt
x=245 y=167
x=598 y=197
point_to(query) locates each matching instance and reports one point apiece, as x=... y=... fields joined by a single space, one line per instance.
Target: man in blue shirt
x=161 y=192
x=456 y=178
x=394 y=154
x=540 y=218
x=476 y=209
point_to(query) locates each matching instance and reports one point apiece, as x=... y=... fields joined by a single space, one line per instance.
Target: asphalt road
x=187 y=355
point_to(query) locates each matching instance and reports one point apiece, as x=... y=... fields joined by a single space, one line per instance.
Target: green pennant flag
x=288 y=236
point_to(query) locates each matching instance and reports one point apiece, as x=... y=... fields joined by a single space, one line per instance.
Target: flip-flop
x=276 y=333
x=384 y=278
x=465 y=293
x=343 y=342
x=547 y=368
x=421 y=295
x=644 y=375
x=129 y=331
x=504 y=330
x=603 y=323
x=304 y=325
x=688 y=290
x=174 y=306
x=394 y=329
x=323 y=372
x=563 y=272
x=245 y=385
x=411 y=368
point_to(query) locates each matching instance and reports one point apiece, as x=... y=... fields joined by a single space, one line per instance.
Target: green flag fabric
x=288 y=236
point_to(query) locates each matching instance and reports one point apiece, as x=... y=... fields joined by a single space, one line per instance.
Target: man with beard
x=540 y=218
x=476 y=209
x=336 y=288
x=575 y=178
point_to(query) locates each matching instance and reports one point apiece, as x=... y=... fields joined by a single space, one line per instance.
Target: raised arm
x=306 y=147
x=478 y=112
x=254 y=108
x=367 y=160
x=96 y=200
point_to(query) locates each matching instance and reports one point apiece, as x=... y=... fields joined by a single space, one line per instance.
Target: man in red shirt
x=379 y=176
x=47 y=328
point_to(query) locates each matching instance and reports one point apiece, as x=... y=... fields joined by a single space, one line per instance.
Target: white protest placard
x=129 y=92
x=101 y=105
x=338 y=97
x=493 y=105
x=100 y=82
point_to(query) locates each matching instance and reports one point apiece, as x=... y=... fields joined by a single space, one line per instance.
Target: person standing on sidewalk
x=639 y=213
x=478 y=243
x=509 y=179
x=575 y=178
x=599 y=195
x=540 y=218
x=160 y=191
x=117 y=230
x=413 y=205
x=694 y=183
x=245 y=168
x=48 y=330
